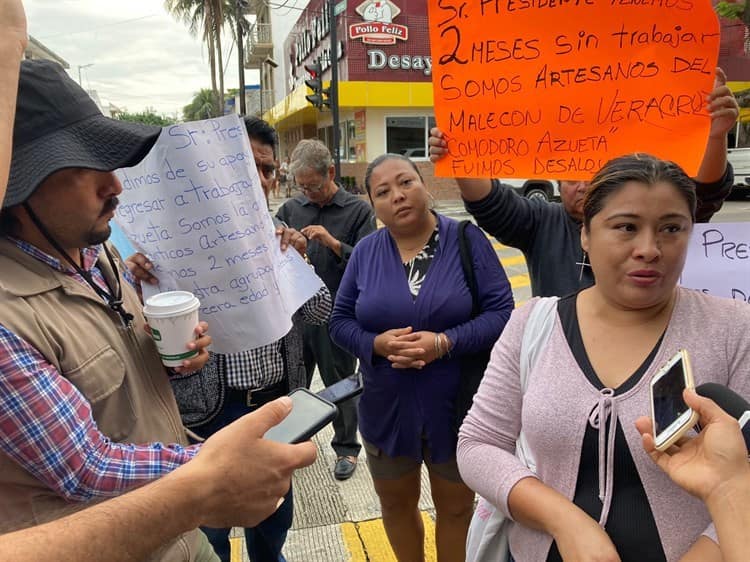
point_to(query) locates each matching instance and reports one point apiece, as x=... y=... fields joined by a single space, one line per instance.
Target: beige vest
x=116 y=368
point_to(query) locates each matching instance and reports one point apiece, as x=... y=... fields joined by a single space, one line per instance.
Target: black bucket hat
x=59 y=126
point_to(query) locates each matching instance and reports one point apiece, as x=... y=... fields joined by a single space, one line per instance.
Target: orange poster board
x=555 y=88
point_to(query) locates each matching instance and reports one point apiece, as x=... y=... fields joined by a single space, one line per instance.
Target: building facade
x=385 y=84
x=36 y=50
x=385 y=80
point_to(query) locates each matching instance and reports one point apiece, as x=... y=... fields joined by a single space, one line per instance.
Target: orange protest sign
x=555 y=88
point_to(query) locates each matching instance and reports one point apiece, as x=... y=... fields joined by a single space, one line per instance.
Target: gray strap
x=536 y=334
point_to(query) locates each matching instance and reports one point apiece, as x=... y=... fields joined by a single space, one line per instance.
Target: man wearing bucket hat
x=88 y=411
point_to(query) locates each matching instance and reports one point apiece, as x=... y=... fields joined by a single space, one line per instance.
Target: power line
x=289 y=9
x=98 y=27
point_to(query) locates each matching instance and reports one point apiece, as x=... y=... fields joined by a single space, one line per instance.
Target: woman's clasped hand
x=407 y=349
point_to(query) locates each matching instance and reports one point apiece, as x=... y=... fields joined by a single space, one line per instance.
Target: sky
x=140 y=55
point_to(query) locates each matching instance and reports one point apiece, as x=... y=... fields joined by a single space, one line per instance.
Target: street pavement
x=340 y=521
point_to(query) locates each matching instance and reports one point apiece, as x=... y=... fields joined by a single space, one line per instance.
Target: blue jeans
x=264 y=542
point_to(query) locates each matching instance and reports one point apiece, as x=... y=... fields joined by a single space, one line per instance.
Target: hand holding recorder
x=702 y=464
x=714 y=467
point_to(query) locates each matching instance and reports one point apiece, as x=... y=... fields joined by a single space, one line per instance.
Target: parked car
x=413 y=152
x=740 y=160
x=546 y=190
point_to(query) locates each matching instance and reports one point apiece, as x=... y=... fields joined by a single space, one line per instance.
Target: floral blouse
x=416 y=268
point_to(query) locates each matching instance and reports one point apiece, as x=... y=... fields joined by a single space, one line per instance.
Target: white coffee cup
x=173 y=317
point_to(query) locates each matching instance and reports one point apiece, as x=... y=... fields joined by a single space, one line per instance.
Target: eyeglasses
x=267 y=170
x=311 y=188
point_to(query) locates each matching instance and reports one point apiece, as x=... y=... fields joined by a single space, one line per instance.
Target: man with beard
x=88 y=412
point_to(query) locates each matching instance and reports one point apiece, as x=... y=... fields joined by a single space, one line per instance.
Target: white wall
x=283 y=20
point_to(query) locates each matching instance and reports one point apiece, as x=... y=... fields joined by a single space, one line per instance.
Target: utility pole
x=241 y=55
x=334 y=89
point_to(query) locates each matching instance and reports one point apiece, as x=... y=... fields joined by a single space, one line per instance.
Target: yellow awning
x=296 y=110
x=738 y=86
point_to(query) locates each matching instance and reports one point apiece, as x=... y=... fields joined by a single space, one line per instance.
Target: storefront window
x=351 y=140
x=408 y=135
x=325 y=135
x=342 y=141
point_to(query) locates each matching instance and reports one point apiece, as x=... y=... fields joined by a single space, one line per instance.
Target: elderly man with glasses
x=333 y=221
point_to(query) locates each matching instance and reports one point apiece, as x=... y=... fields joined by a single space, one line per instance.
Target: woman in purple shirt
x=405 y=310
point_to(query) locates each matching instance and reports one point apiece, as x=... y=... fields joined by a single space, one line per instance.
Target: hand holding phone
x=671 y=418
x=310 y=413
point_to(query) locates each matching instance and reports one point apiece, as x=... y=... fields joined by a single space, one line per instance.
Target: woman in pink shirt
x=595 y=495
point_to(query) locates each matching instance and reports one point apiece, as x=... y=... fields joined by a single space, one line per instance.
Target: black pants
x=264 y=541
x=334 y=365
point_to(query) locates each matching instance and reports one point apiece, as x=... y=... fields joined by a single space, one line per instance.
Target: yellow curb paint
x=514 y=260
x=499 y=246
x=517 y=281
x=353 y=543
x=235 y=545
x=430 y=550
x=371 y=535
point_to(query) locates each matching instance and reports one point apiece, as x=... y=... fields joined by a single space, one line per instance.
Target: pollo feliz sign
x=378 y=28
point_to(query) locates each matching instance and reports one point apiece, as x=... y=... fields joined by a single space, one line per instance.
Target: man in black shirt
x=333 y=221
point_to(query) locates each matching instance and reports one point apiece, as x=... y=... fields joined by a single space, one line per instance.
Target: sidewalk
x=339 y=521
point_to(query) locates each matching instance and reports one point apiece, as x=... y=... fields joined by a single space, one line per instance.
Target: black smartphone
x=343 y=390
x=310 y=413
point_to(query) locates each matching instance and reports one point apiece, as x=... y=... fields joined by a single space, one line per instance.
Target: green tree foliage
x=208 y=18
x=731 y=10
x=148 y=116
x=203 y=106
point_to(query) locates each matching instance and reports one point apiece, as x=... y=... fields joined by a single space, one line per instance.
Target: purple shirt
x=398 y=406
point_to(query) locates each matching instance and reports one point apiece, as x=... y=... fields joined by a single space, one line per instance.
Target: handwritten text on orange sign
x=555 y=88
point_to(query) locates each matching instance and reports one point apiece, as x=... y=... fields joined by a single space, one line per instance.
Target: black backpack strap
x=467 y=264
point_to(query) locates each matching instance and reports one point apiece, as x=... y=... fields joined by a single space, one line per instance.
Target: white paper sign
x=718 y=260
x=196 y=208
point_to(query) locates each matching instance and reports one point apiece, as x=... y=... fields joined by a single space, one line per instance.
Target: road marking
x=235 y=548
x=518 y=281
x=366 y=540
x=513 y=260
x=353 y=542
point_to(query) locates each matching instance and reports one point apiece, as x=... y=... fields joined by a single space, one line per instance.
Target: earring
x=583 y=263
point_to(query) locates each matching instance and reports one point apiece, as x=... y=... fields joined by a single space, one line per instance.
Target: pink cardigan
x=555 y=409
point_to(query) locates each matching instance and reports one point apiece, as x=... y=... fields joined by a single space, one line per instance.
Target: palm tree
x=203 y=106
x=217 y=24
x=207 y=18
